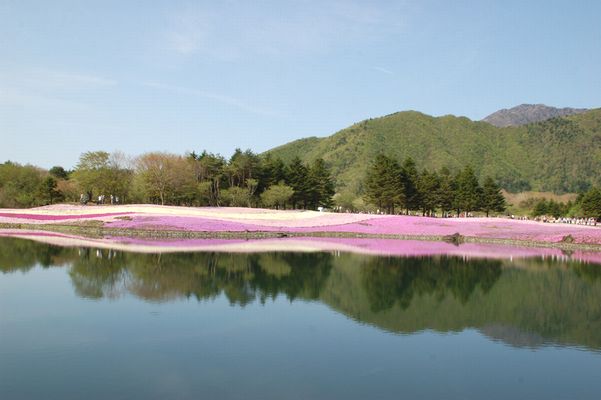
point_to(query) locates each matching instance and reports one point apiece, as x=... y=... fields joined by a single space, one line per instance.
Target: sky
x=180 y=76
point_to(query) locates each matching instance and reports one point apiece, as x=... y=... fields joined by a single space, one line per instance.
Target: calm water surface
x=99 y=324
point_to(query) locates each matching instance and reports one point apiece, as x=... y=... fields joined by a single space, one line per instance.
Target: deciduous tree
x=277 y=196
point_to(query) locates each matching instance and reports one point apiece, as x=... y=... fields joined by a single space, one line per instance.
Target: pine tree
x=428 y=186
x=58 y=172
x=469 y=192
x=446 y=191
x=591 y=204
x=540 y=208
x=274 y=170
x=322 y=186
x=298 y=179
x=409 y=179
x=47 y=191
x=383 y=187
x=492 y=198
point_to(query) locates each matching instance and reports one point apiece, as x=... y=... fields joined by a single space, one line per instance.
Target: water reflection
x=523 y=303
x=390 y=281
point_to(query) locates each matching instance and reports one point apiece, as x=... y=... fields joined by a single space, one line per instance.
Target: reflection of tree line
x=398 y=294
x=393 y=280
x=23 y=255
x=244 y=277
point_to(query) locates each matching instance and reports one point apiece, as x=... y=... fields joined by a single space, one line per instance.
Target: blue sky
x=139 y=76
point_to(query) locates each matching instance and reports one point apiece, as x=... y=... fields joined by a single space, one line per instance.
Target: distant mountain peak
x=528 y=113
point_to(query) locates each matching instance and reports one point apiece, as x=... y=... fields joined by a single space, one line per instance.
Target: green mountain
x=561 y=154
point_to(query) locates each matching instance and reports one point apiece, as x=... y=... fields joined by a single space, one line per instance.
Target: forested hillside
x=560 y=155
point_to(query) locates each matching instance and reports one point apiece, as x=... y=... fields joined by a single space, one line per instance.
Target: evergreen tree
x=591 y=204
x=298 y=179
x=409 y=179
x=383 y=187
x=429 y=186
x=446 y=191
x=492 y=198
x=469 y=192
x=556 y=209
x=274 y=170
x=540 y=208
x=58 y=172
x=47 y=191
x=322 y=186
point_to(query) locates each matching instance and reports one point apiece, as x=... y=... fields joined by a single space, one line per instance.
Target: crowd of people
x=565 y=220
x=85 y=198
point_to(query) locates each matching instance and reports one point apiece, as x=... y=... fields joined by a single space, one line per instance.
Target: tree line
x=394 y=187
x=252 y=180
x=205 y=179
x=587 y=204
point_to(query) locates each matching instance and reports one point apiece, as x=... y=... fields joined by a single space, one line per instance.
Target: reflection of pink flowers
x=224 y=219
x=386 y=247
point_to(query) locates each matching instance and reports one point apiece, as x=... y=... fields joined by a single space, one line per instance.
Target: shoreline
x=95 y=232
x=173 y=222
x=383 y=247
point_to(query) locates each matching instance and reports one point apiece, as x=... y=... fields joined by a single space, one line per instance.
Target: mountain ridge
x=559 y=154
x=527 y=114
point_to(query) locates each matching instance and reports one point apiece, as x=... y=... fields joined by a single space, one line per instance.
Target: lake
x=104 y=324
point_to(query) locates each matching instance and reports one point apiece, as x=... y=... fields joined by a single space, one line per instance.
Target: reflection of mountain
x=559 y=304
x=540 y=302
x=513 y=336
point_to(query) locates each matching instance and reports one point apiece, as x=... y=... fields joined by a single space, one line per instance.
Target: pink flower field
x=225 y=219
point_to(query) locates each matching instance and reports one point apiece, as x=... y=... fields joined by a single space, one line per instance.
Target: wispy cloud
x=42 y=78
x=383 y=70
x=227 y=100
x=10 y=97
x=189 y=33
x=237 y=28
x=45 y=88
x=69 y=79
